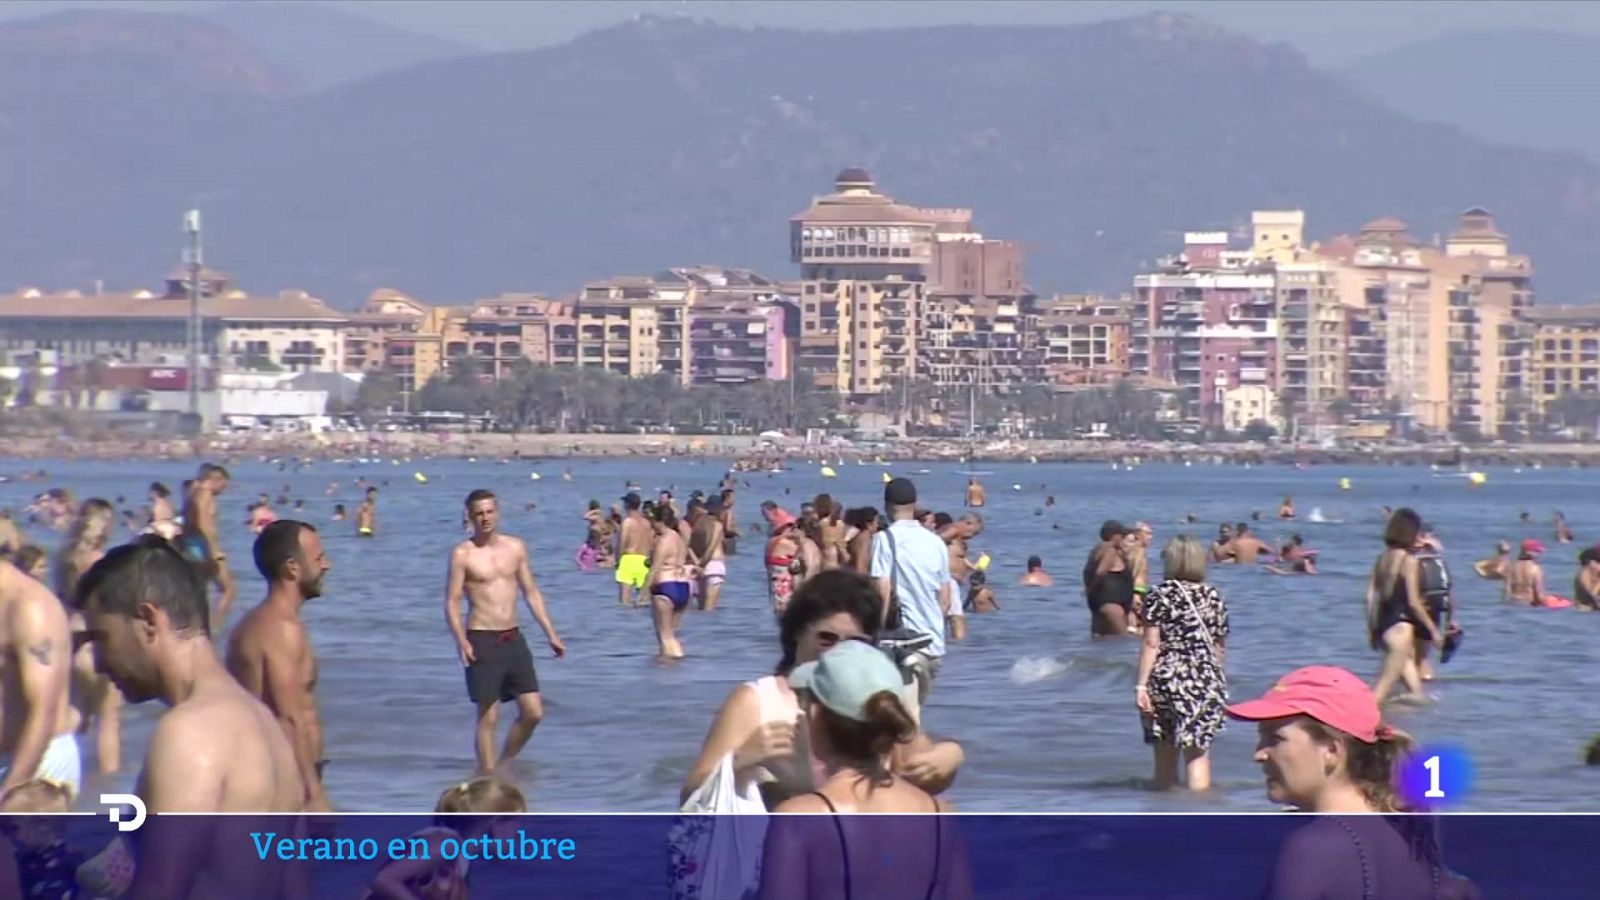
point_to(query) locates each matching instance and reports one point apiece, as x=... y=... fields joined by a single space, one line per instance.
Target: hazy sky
x=1329 y=31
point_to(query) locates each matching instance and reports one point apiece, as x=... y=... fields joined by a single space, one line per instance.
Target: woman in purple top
x=1324 y=749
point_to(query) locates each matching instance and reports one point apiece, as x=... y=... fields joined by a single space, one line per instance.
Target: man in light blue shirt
x=911 y=567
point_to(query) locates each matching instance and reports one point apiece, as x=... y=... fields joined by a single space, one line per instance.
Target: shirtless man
x=261 y=514
x=730 y=531
x=955 y=535
x=10 y=537
x=1036 y=576
x=163 y=516
x=1586 y=584
x=269 y=651
x=975 y=493
x=1222 y=547
x=706 y=552
x=1494 y=568
x=633 y=560
x=490 y=568
x=1246 y=547
x=1525 y=577
x=834 y=532
x=37 y=729
x=367 y=514
x=215 y=750
x=202 y=544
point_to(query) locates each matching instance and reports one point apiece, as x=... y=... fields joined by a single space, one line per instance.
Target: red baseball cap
x=779 y=519
x=1331 y=695
x=1531 y=546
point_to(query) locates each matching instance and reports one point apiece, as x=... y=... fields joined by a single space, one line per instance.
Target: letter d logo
x=114 y=804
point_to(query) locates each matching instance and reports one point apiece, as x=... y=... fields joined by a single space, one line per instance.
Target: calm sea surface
x=1046 y=715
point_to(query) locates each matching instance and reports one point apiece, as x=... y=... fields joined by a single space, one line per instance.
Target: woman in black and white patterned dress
x=1183 y=684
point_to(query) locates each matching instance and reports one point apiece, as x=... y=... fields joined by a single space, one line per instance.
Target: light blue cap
x=844 y=678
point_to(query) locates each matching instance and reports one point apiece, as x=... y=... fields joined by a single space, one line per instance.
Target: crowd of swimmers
x=863 y=600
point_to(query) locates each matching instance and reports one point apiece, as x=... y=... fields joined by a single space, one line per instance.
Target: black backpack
x=1434 y=581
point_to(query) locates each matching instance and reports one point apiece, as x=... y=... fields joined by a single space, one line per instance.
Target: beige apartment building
x=633 y=326
x=1082 y=339
x=864 y=262
x=292 y=330
x=1564 y=352
x=890 y=292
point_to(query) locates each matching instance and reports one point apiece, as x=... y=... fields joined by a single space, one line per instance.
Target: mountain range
x=669 y=141
x=1523 y=87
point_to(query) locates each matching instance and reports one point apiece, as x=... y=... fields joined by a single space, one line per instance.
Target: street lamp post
x=191 y=228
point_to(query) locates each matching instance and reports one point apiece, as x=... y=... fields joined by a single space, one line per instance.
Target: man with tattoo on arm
x=37 y=729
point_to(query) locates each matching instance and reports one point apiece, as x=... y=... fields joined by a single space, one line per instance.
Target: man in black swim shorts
x=490 y=569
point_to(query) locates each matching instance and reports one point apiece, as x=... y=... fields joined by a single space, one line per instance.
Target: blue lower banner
x=1285 y=857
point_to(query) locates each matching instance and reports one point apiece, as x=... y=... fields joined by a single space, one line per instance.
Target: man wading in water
x=202 y=543
x=490 y=568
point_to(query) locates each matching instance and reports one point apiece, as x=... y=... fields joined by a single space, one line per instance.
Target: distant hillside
x=1528 y=88
x=669 y=141
x=326 y=45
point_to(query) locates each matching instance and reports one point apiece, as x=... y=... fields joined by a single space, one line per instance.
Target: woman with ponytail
x=856 y=719
x=1324 y=749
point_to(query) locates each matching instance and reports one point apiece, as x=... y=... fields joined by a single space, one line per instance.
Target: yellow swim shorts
x=633 y=569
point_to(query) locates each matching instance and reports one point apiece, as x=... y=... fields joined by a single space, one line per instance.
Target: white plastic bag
x=714 y=850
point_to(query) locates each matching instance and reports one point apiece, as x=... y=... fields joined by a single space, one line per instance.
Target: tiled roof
x=236 y=306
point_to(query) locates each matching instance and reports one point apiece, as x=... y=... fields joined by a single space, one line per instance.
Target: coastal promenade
x=333 y=445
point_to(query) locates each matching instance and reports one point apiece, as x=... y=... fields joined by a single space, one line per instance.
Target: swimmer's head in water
x=291 y=551
x=141 y=602
x=1035 y=564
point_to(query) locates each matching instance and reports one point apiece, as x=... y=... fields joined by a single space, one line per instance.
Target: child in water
x=467 y=810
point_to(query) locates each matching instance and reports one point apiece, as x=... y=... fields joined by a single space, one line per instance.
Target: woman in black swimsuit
x=1396 y=612
x=1108 y=583
x=857 y=724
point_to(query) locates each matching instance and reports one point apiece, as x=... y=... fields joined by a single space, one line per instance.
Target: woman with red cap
x=1324 y=749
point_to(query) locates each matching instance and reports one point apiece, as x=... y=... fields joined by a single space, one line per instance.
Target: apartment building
x=1082 y=339
x=975 y=317
x=1437 y=335
x=633 y=326
x=739 y=325
x=1564 y=352
x=292 y=330
x=864 y=263
x=1209 y=322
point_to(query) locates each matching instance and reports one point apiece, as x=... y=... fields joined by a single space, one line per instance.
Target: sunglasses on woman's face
x=828 y=639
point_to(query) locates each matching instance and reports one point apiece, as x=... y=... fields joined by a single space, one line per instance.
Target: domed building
x=892 y=292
